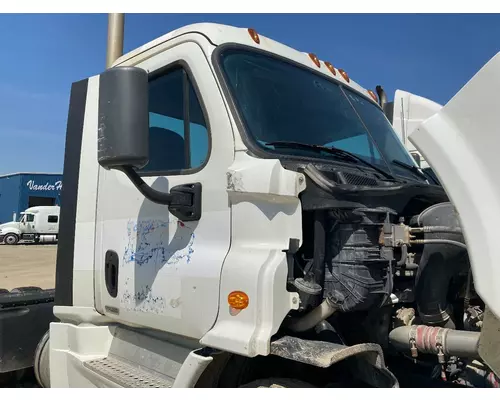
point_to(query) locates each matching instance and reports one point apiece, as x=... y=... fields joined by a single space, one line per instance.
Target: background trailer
x=22 y=190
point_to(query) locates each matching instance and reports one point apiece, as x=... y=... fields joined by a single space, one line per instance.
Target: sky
x=429 y=55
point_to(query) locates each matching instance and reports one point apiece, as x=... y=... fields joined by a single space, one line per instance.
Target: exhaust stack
x=382 y=97
x=116 y=23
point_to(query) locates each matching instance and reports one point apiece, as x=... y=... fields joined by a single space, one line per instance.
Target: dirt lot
x=27 y=265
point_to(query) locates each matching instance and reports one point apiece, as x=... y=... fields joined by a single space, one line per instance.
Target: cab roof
x=36 y=209
x=218 y=34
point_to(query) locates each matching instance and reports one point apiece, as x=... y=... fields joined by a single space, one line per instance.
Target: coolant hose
x=313 y=318
x=436 y=340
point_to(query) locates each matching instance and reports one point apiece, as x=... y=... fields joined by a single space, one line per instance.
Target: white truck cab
x=239 y=213
x=35 y=224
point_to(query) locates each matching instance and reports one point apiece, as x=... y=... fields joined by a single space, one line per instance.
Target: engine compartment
x=386 y=262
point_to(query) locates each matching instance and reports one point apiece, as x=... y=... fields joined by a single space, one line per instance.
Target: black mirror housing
x=123 y=130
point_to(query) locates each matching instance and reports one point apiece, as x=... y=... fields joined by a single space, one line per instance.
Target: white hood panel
x=462 y=145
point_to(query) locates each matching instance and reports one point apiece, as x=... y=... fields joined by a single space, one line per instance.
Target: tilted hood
x=461 y=143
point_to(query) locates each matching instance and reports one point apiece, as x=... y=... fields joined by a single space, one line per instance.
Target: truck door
x=151 y=269
x=29 y=224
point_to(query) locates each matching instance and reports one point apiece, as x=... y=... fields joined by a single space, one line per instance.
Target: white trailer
x=36 y=224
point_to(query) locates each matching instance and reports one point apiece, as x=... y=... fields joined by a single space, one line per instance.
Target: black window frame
x=188 y=74
x=52 y=216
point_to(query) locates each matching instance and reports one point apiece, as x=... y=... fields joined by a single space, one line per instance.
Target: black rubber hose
x=443 y=257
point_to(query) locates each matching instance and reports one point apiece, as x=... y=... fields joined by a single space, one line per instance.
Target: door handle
x=111 y=262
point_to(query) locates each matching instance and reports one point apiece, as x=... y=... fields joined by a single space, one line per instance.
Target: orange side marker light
x=238 y=300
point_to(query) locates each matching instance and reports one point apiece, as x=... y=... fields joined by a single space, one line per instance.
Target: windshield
x=279 y=101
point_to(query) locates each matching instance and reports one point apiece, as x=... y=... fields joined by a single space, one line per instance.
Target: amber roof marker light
x=330 y=68
x=254 y=35
x=315 y=59
x=374 y=96
x=344 y=75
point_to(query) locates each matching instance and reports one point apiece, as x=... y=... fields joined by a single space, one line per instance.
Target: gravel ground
x=27 y=265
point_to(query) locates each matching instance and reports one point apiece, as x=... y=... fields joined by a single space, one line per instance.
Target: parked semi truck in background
x=27 y=309
x=36 y=224
x=240 y=214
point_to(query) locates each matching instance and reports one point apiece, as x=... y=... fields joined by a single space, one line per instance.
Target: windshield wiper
x=412 y=168
x=331 y=150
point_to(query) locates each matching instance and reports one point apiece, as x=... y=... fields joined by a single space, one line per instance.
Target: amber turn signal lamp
x=254 y=35
x=238 y=300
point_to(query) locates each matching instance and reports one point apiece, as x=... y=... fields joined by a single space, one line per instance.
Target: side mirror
x=123 y=138
x=123 y=131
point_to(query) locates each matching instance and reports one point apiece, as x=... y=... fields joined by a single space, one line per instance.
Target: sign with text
x=47 y=187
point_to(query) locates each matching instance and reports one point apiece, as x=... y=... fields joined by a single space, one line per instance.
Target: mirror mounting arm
x=183 y=201
x=147 y=191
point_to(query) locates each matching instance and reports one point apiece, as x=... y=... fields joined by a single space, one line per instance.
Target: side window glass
x=52 y=219
x=178 y=134
x=30 y=218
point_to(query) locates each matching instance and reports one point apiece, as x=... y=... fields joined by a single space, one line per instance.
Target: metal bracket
x=190 y=211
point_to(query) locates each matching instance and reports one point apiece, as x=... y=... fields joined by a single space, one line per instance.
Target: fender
x=365 y=361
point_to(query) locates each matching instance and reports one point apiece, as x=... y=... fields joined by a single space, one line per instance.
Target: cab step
x=127 y=375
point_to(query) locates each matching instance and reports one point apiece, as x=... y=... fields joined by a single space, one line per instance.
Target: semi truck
x=36 y=224
x=236 y=213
